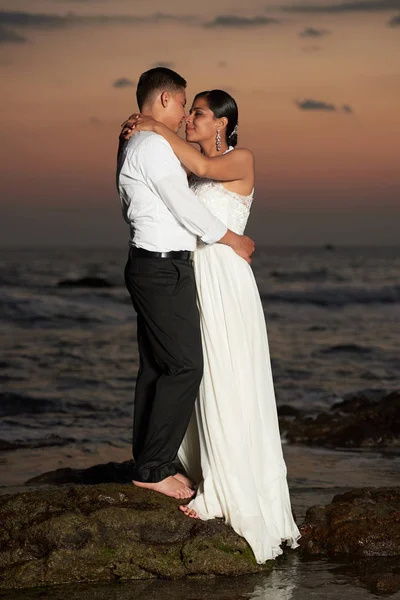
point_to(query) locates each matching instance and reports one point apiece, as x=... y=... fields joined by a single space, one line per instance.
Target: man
x=165 y=219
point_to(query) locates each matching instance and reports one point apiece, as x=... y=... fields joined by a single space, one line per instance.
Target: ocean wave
x=336 y=296
x=47 y=442
x=61 y=308
x=346 y=349
x=12 y=404
x=313 y=276
x=86 y=282
x=20 y=405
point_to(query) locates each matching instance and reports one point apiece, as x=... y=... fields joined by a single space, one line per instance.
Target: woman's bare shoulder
x=244 y=154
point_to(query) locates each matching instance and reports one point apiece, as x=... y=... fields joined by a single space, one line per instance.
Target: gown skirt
x=232 y=447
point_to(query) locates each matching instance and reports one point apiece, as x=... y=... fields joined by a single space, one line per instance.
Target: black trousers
x=163 y=293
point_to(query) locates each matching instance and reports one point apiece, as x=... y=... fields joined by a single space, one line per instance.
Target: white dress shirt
x=163 y=213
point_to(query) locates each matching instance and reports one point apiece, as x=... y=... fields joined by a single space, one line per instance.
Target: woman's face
x=201 y=125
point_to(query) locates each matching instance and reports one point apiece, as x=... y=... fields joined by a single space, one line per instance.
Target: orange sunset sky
x=318 y=88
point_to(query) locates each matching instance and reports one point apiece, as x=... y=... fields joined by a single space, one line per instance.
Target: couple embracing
x=204 y=389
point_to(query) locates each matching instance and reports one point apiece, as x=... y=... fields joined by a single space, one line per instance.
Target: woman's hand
x=136 y=122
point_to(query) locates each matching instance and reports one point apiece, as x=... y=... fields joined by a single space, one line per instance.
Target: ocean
x=69 y=359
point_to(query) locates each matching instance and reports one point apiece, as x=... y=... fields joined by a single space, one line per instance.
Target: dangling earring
x=218 y=141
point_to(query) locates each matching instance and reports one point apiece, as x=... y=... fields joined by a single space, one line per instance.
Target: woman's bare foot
x=169 y=487
x=189 y=512
x=183 y=479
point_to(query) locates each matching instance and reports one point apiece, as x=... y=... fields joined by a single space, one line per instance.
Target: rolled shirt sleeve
x=164 y=174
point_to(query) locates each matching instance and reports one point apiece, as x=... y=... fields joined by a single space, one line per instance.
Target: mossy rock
x=109 y=533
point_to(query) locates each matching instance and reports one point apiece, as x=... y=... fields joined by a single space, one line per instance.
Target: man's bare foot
x=169 y=487
x=189 y=512
x=183 y=479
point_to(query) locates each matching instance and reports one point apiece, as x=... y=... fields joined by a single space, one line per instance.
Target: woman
x=232 y=448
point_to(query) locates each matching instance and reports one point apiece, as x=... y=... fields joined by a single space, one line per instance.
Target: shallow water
x=292 y=579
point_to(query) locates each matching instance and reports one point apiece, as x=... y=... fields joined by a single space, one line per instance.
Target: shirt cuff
x=215 y=232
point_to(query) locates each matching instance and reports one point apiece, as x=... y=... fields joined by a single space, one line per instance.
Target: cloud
x=347 y=108
x=166 y=64
x=311 y=32
x=345 y=7
x=315 y=105
x=123 y=82
x=232 y=21
x=50 y=21
x=323 y=106
x=32 y=20
x=394 y=22
x=8 y=36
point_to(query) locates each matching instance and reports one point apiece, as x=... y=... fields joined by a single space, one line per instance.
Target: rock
x=86 y=282
x=361 y=420
x=380 y=575
x=385 y=583
x=109 y=533
x=285 y=410
x=361 y=523
x=111 y=472
x=359 y=400
x=5 y=446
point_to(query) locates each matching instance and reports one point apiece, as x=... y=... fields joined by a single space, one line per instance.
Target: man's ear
x=165 y=97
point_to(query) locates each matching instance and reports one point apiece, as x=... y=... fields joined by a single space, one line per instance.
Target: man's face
x=175 y=110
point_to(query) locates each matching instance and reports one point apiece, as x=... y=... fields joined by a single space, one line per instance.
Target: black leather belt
x=176 y=254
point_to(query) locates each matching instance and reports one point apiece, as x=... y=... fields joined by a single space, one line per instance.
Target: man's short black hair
x=157 y=79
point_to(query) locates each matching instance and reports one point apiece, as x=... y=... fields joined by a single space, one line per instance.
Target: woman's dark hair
x=157 y=79
x=223 y=105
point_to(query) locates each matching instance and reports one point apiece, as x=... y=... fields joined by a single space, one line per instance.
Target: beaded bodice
x=230 y=208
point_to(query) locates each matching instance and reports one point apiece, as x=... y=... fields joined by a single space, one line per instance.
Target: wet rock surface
x=383 y=583
x=380 y=575
x=109 y=533
x=362 y=523
x=361 y=420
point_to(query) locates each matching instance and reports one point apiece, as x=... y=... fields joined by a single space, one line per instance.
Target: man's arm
x=164 y=175
x=121 y=142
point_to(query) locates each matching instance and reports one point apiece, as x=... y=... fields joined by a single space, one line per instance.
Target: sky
x=318 y=88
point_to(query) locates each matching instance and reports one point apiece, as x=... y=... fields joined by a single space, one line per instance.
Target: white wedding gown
x=232 y=447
